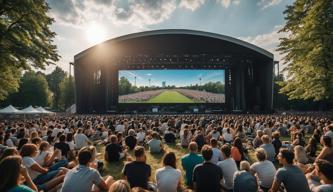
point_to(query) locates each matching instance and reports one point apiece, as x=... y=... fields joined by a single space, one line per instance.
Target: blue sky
x=178 y=78
x=80 y=24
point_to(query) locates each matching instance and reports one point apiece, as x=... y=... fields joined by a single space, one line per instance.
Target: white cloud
x=226 y=3
x=268 y=3
x=191 y=4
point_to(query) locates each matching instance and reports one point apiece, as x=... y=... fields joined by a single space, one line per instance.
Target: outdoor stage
x=247 y=73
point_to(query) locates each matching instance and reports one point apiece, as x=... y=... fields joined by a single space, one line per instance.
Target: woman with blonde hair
x=120 y=186
x=301 y=158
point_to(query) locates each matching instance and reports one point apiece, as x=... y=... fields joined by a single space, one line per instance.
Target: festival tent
x=10 y=110
x=30 y=110
x=42 y=110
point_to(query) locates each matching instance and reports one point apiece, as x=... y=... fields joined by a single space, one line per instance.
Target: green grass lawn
x=170 y=97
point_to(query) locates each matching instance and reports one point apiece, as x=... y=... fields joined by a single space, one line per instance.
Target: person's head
x=261 y=154
x=36 y=141
x=139 y=189
x=85 y=156
x=62 y=138
x=29 y=150
x=131 y=132
x=9 y=151
x=213 y=142
x=244 y=165
x=169 y=159
x=79 y=130
x=226 y=150
x=114 y=139
x=193 y=147
x=69 y=137
x=10 y=179
x=207 y=152
x=155 y=135
x=22 y=142
x=286 y=156
x=265 y=139
x=260 y=133
x=300 y=154
x=324 y=170
x=33 y=134
x=120 y=186
x=238 y=143
x=327 y=141
x=139 y=153
x=276 y=135
x=44 y=146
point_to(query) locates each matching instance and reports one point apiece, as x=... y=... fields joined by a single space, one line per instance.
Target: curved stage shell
x=248 y=70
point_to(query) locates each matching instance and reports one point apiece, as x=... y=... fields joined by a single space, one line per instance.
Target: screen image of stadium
x=171 y=86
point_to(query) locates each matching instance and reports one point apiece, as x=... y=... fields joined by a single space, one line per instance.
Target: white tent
x=10 y=110
x=30 y=110
x=71 y=109
x=42 y=110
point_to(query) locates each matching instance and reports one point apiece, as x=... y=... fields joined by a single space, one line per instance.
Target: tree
x=25 y=41
x=33 y=91
x=66 y=93
x=308 y=50
x=54 y=79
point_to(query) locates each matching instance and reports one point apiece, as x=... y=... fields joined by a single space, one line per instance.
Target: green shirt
x=189 y=161
x=20 y=188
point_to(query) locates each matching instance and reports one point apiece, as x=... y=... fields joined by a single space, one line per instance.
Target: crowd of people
x=225 y=153
x=203 y=96
x=139 y=96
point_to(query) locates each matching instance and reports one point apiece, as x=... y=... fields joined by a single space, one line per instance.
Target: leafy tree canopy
x=25 y=40
x=309 y=50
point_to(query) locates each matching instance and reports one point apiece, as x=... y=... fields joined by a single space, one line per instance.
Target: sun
x=95 y=33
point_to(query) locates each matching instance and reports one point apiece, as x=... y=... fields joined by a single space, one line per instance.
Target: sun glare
x=95 y=33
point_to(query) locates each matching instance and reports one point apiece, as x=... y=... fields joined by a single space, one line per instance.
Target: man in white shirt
x=264 y=169
x=228 y=167
x=120 y=128
x=217 y=154
x=81 y=140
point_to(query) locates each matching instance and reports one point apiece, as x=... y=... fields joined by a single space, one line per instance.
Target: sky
x=178 y=78
x=80 y=24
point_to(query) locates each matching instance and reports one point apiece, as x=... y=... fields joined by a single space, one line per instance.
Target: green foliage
x=54 y=79
x=66 y=93
x=308 y=50
x=33 y=90
x=25 y=41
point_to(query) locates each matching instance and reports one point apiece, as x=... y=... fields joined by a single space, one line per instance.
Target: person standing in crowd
x=276 y=142
x=168 y=178
x=189 y=161
x=83 y=177
x=113 y=151
x=137 y=172
x=228 y=167
x=264 y=170
x=207 y=176
x=62 y=146
x=244 y=181
x=291 y=176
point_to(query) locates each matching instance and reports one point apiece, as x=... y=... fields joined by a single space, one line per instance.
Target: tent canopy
x=30 y=110
x=42 y=110
x=10 y=110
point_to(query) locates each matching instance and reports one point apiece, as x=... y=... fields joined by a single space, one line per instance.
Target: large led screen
x=171 y=86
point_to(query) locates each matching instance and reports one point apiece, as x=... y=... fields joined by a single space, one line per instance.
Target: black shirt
x=207 y=177
x=169 y=138
x=113 y=151
x=137 y=174
x=130 y=141
x=64 y=147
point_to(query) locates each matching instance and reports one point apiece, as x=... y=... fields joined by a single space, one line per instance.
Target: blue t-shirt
x=189 y=161
x=20 y=188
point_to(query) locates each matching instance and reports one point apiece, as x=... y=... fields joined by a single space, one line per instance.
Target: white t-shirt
x=167 y=179
x=81 y=140
x=229 y=168
x=120 y=128
x=140 y=136
x=71 y=145
x=217 y=156
x=28 y=162
x=55 y=132
x=41 y=157
x=265 y=171
x=227 y=137
x=10 y=143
